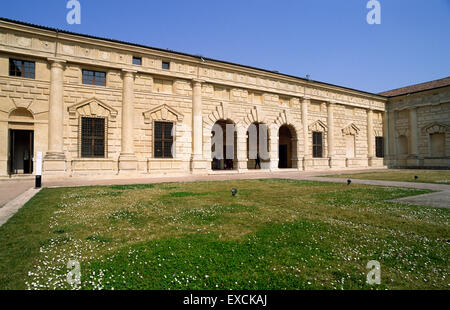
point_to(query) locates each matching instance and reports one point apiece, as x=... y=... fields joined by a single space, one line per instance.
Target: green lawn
x=275 y=234
x=424 y=176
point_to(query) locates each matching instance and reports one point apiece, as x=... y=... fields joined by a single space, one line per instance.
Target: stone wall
x=240 y=94
x=416 y=118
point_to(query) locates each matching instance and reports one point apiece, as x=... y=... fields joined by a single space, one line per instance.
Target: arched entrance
x=20 y=141
x=287 y=147
x=257 y=154
x=224 y=145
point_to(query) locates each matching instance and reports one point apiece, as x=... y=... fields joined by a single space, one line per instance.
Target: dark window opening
x=22 y=68
x=317 y=144
x=163 y=140
x=94 y=78
x=166 y=65
x=379 y=146
x=137 y=61
x=92 y=137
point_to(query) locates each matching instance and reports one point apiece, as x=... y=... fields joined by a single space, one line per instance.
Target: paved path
x=13 y=188
x=439 y=200
x=10 y=208
x=417 y=185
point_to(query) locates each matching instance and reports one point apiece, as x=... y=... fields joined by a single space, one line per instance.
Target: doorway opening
x=21 y=150
x=227 y=156
x=285 y=147
x=257 y=153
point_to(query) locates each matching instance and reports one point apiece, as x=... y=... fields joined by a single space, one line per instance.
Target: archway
x=223 y=145
x=286 y=146
x=257 y=154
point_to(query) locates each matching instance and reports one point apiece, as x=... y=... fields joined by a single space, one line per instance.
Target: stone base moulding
x=376 y=162
x=336 y=162
x=93 y=166
x=128 y=164
x=54 y=166
x=199 y=166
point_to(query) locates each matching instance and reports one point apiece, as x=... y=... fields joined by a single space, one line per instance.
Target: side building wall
x=420 y=132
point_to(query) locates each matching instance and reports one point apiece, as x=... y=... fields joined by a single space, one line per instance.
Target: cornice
x=190 y=59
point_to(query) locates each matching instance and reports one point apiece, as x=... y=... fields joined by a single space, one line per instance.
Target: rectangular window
x=137 y=61
x=94 y=78
x=163 y=140
x=166 y=65
x=379 y=146
x=317 y=144
x=22 y=68
x=92 y=137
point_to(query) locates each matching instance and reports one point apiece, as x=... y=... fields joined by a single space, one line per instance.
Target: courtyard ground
x=275 y=234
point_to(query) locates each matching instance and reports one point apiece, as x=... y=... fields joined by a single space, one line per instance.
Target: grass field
x=424 y=176
x=275 y=234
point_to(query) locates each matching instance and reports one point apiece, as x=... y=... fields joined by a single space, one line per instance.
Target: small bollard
x=38 y=177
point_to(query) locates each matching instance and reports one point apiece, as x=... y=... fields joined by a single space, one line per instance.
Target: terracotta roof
x=417 y=87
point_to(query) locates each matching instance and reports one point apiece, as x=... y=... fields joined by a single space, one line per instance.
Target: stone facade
x=420 y=129
x=193 y=94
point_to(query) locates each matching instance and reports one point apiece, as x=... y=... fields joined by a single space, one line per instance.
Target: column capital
x=56 y=62
x=197 y=81
x=128 y=72
x=304 y=98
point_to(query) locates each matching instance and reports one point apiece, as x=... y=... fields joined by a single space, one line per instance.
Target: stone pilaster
x=306 y=154
x=393 y=149
x=370 y=138
x=127 y=159
x=241 y=148
x=386 y=137
x=413 y=158
x=55 y=159
x=330 y=124
x=198 y=163
x=273 y=148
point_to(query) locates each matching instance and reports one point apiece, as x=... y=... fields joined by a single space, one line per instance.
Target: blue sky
x=328 y=39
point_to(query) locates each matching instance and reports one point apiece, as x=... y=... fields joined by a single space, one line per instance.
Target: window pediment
x=436 y=128
x=162 y=113
x=350 y=129
x=318 y=126
x=92 y=107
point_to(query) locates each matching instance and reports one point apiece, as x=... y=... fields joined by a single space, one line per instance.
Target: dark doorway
x=285 y=147
x=21 y=151
x=225 y=163
x=283 y=152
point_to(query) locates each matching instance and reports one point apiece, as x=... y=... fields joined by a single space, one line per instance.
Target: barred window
x=137 y=61
x=94 y=77
x=92 y=137
x=317 y=144
x=379 y=146
x=22 y=68
x=163 y=140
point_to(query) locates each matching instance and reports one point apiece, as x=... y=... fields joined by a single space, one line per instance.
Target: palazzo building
x=95 y=106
